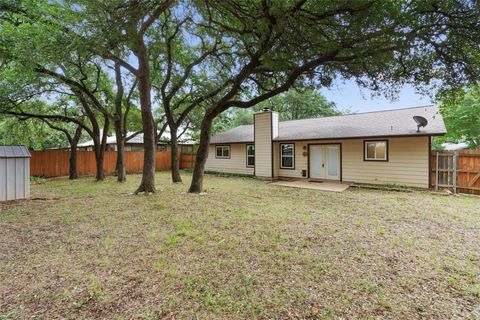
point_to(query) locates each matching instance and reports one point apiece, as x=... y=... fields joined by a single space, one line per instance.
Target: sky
x=348 y=95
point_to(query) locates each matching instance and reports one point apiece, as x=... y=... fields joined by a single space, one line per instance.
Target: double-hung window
x=250 y=155
x=287 y=156
x=376 y=150
x=222 y=152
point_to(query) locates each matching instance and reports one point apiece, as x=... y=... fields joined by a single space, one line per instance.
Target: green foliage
x=47 y=58
x=291 y=105
x=32 y=133
x=437 y=143
x=232 y=118
x=294 y=105
x=254 y=50
x=226 y=174
x=381 y=44
x=461 y=112
x=8 y=315
x=134 y=120
x=36 y=179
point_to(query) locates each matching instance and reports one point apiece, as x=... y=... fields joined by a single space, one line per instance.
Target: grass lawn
x=245 y=250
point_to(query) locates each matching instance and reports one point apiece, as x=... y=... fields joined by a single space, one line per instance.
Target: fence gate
x=458 y=171
x=446 y=171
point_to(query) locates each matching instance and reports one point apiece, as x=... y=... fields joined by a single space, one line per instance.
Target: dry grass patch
x=245 y=250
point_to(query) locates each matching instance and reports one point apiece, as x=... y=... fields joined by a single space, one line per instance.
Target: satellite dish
x=421 y=122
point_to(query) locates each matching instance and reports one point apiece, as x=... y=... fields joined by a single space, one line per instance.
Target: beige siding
x=407 y=164
x=263 y=144
x=236 y=164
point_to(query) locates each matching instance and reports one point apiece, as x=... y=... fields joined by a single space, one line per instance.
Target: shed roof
x=14 y=152
x=387 y=123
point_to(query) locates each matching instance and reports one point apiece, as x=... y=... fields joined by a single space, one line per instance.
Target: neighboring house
x=455 y=146
x=375 y=147
x=136 y=143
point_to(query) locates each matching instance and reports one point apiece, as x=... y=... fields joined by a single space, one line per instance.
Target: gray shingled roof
x=369 y=124
x=14 y=152
x=238 y=134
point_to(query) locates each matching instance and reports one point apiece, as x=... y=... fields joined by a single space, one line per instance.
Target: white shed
x=14 y=172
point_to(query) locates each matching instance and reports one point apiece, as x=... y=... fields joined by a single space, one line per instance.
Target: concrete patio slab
x=317 y=185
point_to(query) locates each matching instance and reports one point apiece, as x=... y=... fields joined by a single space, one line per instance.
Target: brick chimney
x=266 y=129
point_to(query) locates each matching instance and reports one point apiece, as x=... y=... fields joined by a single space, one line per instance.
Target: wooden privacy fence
x=55 y=163
x=187 y=160
x=458 y=171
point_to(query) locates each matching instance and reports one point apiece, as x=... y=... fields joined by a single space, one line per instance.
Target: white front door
x=317 y=165
x=325 y=161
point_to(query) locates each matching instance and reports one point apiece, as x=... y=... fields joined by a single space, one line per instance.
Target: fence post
x=436 y=172
x=455 y=158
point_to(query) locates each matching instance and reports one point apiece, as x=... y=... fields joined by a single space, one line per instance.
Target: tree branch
x=154 y=16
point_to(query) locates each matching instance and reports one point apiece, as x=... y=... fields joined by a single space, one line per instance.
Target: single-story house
x=135 y=143
x=373 y=147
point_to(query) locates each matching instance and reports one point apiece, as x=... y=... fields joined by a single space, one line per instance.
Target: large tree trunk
x=174 y=158
x=99 y=147
x=120 y=131
x=99 y=142
x=73 y=173
x=121 y=164
x=202 y=155
x=99 y=158
x=144 y=87
x=120 y=143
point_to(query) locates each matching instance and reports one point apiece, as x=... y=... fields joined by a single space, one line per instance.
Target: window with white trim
x=222 y=152
x=250 y=155
x=376 y=150
x=287 y=156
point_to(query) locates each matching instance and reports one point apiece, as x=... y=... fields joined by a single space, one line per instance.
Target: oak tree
x=279 y=45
